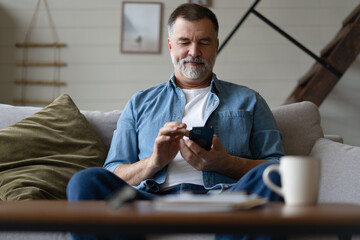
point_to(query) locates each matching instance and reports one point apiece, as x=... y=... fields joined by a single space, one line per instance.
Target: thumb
x=216 y=143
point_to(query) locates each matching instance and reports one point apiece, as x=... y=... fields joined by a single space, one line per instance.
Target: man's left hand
x=202 y=159
x=217 y=159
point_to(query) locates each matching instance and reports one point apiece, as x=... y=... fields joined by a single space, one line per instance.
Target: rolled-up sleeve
x=124 y=144
x=266 y=138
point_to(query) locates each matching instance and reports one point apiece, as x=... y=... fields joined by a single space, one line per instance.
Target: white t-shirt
x=179 y=170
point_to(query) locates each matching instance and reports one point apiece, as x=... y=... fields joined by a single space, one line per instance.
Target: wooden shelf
x=27 y=45
x=39 y=82
x=45 y=64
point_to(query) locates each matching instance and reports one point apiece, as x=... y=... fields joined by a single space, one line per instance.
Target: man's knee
x=91 y=184
x=252 y=182
x=257 y=173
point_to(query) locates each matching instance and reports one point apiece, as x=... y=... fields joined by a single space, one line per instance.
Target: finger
x=187 y=153
x=184 y=150
x=173 y=129
x=196 y=149
x=174 y=124
x=162 y=139
x=216 y=143
x=187 y=133
x=167 y=131
x=175 y=134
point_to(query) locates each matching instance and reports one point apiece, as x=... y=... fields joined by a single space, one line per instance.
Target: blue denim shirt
x=240 y=117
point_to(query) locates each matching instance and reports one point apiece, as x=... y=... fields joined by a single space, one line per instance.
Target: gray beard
x=192 y=72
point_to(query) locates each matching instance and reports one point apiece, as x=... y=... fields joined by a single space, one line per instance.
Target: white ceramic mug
x=300 y=179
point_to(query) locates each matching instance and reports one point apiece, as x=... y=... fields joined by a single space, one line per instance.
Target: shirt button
x=177 y=117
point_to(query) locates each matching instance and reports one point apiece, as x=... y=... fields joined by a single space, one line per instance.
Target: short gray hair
x=192 y=12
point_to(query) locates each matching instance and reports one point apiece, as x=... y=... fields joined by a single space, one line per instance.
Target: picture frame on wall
x=141 y=27
x=205 y=3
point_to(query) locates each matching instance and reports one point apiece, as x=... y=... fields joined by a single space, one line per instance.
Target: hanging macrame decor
x=27 y=62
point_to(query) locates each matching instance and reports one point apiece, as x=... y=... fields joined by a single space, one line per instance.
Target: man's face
x=193 y=47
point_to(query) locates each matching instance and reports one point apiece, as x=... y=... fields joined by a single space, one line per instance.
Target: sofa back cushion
x=11 y=114
x=104 y=123
x=298 y=122
x=300 y=126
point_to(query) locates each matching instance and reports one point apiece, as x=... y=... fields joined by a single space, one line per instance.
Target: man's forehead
x=184 y=22
x=183 y=27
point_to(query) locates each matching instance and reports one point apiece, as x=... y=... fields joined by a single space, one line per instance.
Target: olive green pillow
x=39 y=154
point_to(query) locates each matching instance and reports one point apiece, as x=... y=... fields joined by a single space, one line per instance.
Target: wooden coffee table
x=141 y=218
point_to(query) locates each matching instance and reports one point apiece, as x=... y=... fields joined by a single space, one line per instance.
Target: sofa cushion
x=340 y=181
x=300 y=126
x=11 y=114
x=40 y=153
x=103 y=122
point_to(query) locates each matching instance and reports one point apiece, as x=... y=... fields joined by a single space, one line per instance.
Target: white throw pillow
x=340 y=165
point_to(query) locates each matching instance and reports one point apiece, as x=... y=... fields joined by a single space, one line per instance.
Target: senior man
x=150 y=149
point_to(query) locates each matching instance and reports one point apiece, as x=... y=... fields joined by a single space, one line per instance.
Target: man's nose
x=194 y=50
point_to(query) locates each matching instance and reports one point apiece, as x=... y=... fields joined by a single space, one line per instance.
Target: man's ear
x=169 y=44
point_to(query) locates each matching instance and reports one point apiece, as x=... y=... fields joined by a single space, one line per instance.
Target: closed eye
x=183 y=41
x=205 y=41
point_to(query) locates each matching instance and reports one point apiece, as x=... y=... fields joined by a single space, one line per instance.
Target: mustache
x=192 y=59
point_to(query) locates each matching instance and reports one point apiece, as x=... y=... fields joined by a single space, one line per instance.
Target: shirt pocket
x=233 y=127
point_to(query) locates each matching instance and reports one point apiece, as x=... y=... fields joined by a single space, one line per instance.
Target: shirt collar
x=171 y=82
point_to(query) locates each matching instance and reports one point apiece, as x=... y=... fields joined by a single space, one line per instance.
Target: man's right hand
x=166 y=146
x=167 y=143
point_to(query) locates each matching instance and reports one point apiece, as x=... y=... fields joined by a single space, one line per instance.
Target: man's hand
x=166 y=147
x=201 y=159
x=217 y=159
x=166 y=144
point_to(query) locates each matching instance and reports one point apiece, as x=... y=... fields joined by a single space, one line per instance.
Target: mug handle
x=267 y=180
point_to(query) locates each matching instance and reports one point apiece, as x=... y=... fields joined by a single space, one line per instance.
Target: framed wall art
x=141 y=27
x=205 y=3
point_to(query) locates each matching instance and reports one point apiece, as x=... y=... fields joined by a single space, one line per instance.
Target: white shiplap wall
x=99 y=77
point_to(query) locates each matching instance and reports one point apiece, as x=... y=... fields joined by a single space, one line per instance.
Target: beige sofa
x=300 y=124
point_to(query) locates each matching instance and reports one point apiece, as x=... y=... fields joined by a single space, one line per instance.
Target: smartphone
x=202 y=136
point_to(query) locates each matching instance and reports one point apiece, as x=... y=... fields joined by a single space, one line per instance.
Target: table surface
x=97 y=216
